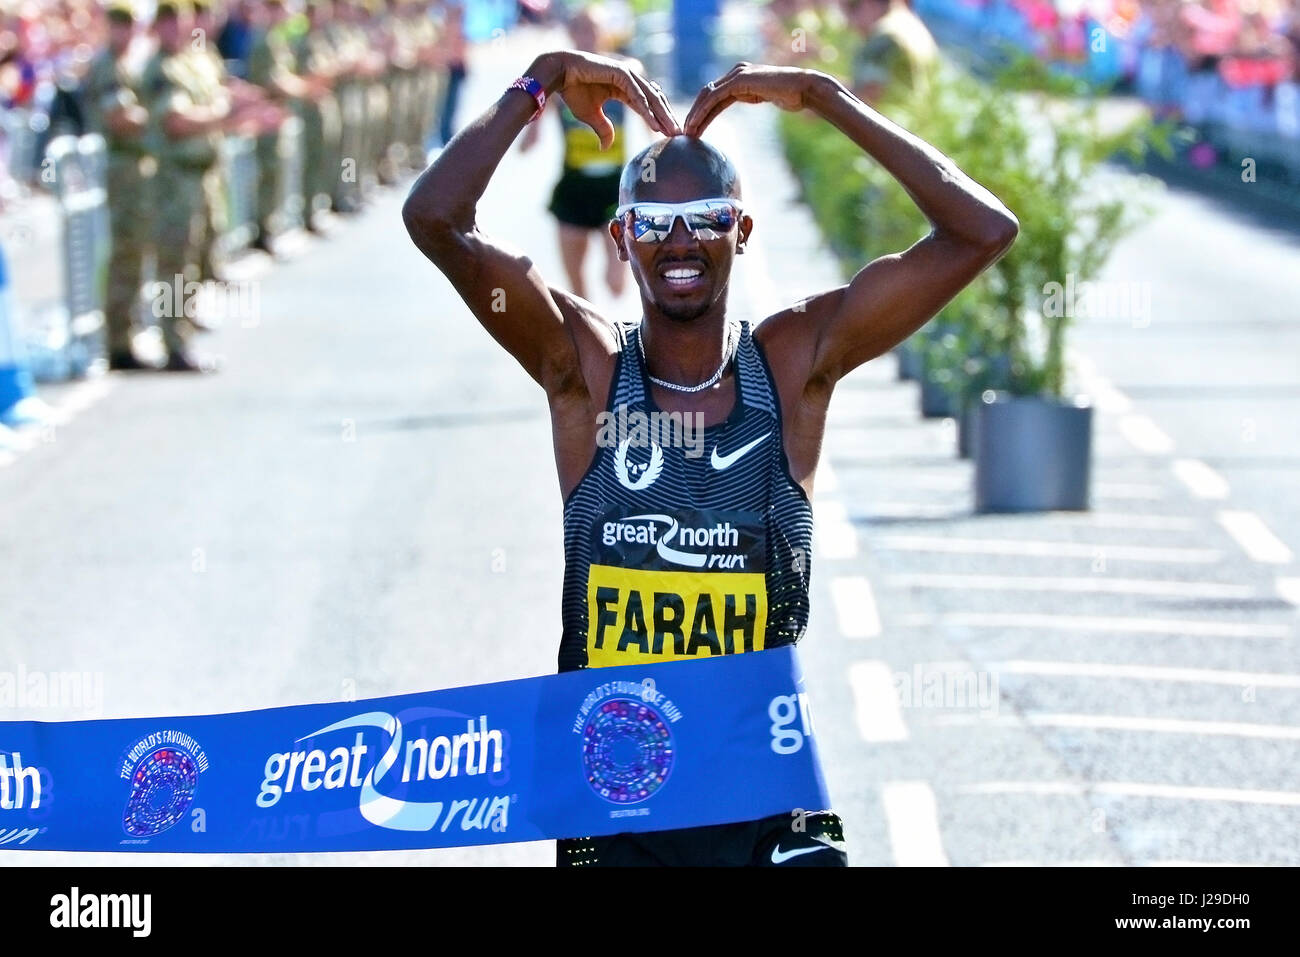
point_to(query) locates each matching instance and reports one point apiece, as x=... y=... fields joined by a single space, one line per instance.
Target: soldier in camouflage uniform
x=428 y=88
x=349 y=46
x=211 y=70
x=379 y=43
x=400 y=82
x=318 y=62
x=271 y=66
x=186 y=118
x=111 y=97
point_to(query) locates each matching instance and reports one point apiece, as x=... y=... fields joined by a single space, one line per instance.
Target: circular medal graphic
x=162 y=790
x=627 y=750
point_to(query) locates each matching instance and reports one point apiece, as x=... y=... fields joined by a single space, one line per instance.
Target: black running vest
x=681 y=543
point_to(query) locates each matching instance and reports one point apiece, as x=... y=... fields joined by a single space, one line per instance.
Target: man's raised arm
x=501 y=287
x=893 y=296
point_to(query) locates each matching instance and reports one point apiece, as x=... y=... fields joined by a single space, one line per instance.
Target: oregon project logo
x=627 y=744
x=163 y=768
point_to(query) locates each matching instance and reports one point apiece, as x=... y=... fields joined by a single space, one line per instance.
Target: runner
x=587 y=192
x=679 y=544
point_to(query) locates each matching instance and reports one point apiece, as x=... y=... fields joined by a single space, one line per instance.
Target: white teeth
x=682 y=274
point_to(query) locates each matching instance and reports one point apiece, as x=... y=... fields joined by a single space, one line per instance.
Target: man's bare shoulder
x=789 y=337
x=597 y=340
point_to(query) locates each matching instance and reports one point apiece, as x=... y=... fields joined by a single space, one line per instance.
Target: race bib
x=687 y=583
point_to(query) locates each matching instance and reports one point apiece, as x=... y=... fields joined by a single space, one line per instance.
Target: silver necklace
x=713 y=380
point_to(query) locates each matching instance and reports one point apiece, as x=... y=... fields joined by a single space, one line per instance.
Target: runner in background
x=586 y=195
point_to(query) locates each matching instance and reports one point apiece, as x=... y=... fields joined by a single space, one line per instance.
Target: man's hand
x=585 y=81
x=786 y=86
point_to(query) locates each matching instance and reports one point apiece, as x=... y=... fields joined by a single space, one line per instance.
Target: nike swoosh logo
x=721 y=462
x=780 y=857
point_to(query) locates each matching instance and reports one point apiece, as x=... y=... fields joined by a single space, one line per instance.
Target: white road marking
x=925 y=510
x=1196 y=864
x=855 y=607
x=1037 y=548
x=1103 y=623
x=1145 y=435
x=1201 y=480
x=875 y=702
x=1289 y=590
x=1128 y=490
x=1105 y=397
x=1120 y=586
x=1135 y=790
x=913 y=818
x=1115 y=722
x=1255 y=538
x=1083 y=863
x=833 y=534
x=1084 y=669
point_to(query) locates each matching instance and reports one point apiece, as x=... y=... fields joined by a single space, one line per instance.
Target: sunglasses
x=703 y=218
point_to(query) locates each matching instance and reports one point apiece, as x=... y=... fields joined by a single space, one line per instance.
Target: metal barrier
x=80 y=165
x=239 y=162
x=288 y=197
x=21 y=136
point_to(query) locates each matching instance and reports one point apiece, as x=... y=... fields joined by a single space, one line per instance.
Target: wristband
x=534 y=89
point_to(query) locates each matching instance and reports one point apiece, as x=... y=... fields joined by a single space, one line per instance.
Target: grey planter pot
x=1032 y=454
x=909 y=362
x=967 y=427
x=936 y=402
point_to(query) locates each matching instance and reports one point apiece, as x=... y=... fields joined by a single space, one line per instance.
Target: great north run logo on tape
x=163 y=768
x=476 y=754
x=627 y=744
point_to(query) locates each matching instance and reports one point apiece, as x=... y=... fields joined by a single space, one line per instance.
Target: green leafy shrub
x=1037 y=142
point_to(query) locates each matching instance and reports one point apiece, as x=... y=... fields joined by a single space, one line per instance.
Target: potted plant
x=1032 y=440
x=1036 y=140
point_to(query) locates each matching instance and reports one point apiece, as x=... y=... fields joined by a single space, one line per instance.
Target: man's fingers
x=707 y=106
x=670 y=126
x=635 y=97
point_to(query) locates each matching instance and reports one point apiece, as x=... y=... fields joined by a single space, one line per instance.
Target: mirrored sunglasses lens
x=651 y=226
x=712 y=220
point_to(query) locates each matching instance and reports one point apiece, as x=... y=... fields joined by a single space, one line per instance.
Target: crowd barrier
x=80 y=169
x=75 y=170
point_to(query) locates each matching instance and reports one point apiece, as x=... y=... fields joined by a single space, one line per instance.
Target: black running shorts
x=796 y=839
x=585 y=201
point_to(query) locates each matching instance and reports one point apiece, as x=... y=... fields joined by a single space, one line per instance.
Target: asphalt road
x=364 y=503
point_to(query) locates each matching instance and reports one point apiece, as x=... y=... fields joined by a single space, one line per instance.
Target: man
x=112 y=101
x=586 y=194
x=761 y=394
x=897 y=54
x=349 y=46
x=186 y=118
x=424 y=105
x=318 y=63
x=271 y=66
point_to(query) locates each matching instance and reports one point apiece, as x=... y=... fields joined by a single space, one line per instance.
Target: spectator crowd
x=325 y=100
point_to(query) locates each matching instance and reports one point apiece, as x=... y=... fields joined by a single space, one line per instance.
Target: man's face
x=685 y=296
x=169 y=30
x=120 y=33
